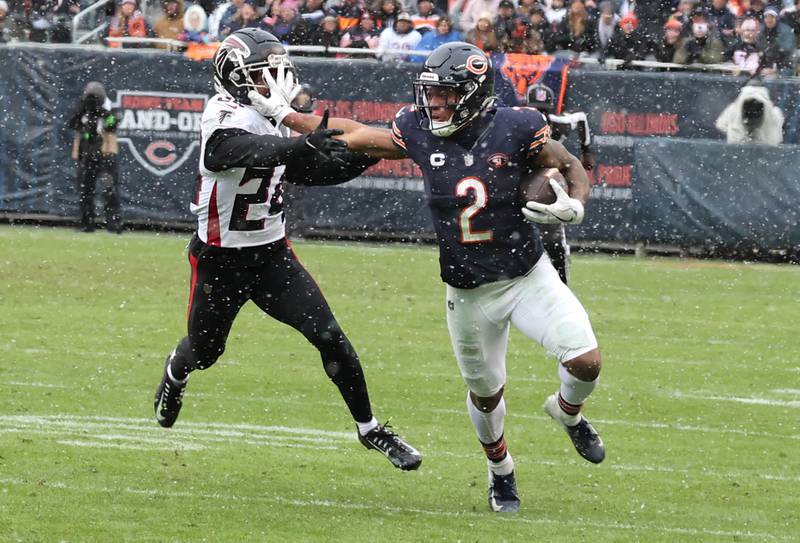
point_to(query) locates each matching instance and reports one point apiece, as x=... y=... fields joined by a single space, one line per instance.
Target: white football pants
x=538 y=304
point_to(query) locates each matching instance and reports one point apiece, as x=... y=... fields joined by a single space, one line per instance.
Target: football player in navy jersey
x=473 y=156
x=240 y=251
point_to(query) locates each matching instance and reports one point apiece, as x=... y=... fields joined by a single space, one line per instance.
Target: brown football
x=536 y=187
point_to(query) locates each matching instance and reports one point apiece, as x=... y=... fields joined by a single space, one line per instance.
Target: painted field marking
x=794 y=404
x=144 y=435
x=404 y=511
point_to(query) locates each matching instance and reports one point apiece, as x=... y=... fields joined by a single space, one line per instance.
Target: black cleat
x=503 y=497
x=169 y=398
x=400 y=454
x=583 y=435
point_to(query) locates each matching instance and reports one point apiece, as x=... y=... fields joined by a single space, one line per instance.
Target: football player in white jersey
x=240 y=252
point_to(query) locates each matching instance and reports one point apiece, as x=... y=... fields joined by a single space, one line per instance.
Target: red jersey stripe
x=212 y=234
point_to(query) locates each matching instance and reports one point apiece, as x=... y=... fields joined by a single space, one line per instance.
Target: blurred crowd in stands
x=752 y=35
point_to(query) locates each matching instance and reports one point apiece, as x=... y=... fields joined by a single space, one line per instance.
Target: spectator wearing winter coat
x=386 y=12
x=288 y=26
x=401 y=36
x=537 y=22
x=363 y=36
x=444 y=33
x=426 y=16
x=220 y=20
x=752 y=118
x=756 y=10
x=791 y=16
x=665 y=52
x=723 y=20
x=483 y=35
x=683 y=13
x=779 y=44
x=651 y=14
x=127 y=22
x=327 y=34
x=576 y=32
x=169 y=24
x=606 y=25
x=746 y=52
x=195 y=26
x=348 y=12
x=555 y=13
x=629 y=43
x=507 y=18
x=533 y=43
x=475 y=10
x=246 y=17
x=10 y=29
x=312 y=12
x=703 y=46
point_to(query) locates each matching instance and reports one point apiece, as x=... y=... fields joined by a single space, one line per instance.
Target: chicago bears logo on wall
x=160 y=129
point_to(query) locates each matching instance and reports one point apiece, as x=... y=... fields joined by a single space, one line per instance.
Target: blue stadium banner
x=658 y=153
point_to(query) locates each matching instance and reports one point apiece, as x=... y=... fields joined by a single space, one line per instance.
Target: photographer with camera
x=95 y=149
x=752 y=117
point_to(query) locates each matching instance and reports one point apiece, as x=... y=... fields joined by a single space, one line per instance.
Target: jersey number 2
x=463 y=187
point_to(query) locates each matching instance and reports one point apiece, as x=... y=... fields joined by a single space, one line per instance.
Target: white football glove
x=283 y=89
x=273 y=106
x=283 y=83
x=564 y=210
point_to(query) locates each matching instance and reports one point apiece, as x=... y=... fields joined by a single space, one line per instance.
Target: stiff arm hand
x=376 y=142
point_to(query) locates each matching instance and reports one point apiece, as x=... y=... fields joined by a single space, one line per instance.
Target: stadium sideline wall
x=663 y=175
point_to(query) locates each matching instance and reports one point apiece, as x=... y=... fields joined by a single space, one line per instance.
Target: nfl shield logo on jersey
x=469 y=160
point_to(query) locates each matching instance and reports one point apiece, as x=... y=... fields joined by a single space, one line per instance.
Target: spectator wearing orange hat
x=665 y=52
x=630 y=43
x=651 y=14
x=365 y=35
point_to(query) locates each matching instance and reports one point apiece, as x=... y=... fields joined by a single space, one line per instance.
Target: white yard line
x=33 y=384
x=403 y=511
x=794 y=404
x=787 y=391
x=216 y=428
x=125 y=446
x=86 y=432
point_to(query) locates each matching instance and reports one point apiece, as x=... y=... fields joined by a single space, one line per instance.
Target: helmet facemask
x=464 y=109
x=243 y=76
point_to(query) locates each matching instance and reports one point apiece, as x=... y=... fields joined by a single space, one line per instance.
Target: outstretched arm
x=376 y=142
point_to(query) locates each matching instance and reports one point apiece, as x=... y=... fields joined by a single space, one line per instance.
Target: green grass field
x=699 y=405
